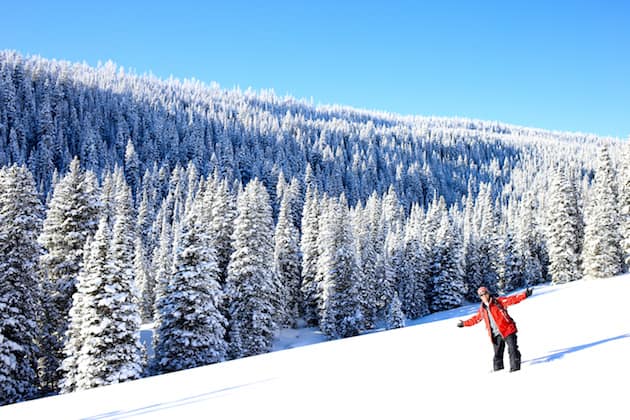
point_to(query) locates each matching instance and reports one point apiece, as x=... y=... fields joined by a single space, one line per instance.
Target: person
x=500 y=325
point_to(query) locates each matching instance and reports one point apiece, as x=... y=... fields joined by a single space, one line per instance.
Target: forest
x=221 y=216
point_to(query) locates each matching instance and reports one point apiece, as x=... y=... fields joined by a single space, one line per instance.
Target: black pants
x=499 y=347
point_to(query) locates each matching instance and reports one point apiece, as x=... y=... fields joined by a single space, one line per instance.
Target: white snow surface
x=574 y=340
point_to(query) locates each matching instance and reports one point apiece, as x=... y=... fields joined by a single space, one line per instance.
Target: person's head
x=484 y=294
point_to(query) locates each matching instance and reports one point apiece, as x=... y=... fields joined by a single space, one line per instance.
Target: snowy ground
x=575 y=342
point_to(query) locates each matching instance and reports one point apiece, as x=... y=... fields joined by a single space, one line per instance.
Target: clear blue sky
x=555 y=64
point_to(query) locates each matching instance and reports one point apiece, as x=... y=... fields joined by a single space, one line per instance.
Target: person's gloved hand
x=460 y=324
x=528 y=292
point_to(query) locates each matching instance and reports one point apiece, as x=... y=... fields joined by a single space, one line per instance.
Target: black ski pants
x=499 y=343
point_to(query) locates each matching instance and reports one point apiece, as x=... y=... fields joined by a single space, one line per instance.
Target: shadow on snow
x=558 y=354
x=171 y=404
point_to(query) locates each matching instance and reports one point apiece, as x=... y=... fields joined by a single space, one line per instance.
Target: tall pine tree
x=310 y=289
x=341 y=312
x=70 y=220
x=191 y=327
x=103 y=344
x=287 y=263
x=21 y=215
x=563 y=230
x=251 y=284
x=602 y=242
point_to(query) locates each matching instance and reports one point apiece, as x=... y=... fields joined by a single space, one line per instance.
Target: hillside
x=574 y=340
x=224 y=216
x=105 y=116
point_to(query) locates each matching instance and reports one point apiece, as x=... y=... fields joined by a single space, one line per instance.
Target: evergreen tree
x=144 y=281
x=374 y=286
x=103 y=344
x=341 y=312
x=529 y=243
x=123 y=350
x=394 y=317
x=162 y=261
x=412 y=286
x=392 y=270
x=310 y=289
x=287 y=263
x=132 y=168
x=251 y=284
x=487 y=243
x=513 y=264
x=222 y=218
x=21 y=215
x=602 y=244
x=563 y=228
x=445 y=271
x=191 y=327
x=70 y=220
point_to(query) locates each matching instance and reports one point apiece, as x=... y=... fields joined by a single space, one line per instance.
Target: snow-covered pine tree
x=487 y=241
x=387 y=238
x=529 y=243
x=602 y=242
x=412 y=286
x=513 y=264
x=191 y=327
x=162 y=261
x=251 y=283
x=144 y=281
x=70 y=220
x=470 y=254
x=393 y=254
x=377 y=277
x=85 y=325
x=310 y=290
x=445 y=270
x=562 y=234
x=132 y=168
x=69 y=367
x=341 y=312
x=296 y=203
x=394 y=316
x=223 y=215
x=103 y=344
x=21 y=215
x=107 y=200
x=122 y=352
x=287 y=263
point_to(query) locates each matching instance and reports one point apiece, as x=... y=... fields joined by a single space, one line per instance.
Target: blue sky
x=561 y=65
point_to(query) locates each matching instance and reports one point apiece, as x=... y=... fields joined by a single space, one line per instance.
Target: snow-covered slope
x=575 y=342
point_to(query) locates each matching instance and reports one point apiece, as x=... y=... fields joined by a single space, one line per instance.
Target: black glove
x=529 y=292
x=460 y=324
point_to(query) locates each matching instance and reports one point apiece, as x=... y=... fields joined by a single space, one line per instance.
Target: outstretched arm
x=470 y=321
x=514 y=299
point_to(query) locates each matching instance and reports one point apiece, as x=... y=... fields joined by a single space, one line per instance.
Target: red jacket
x=504 y=322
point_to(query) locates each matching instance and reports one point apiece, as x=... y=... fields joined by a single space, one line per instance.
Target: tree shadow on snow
x=558 y=354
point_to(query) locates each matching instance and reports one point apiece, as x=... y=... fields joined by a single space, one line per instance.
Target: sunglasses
x=483 y=294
